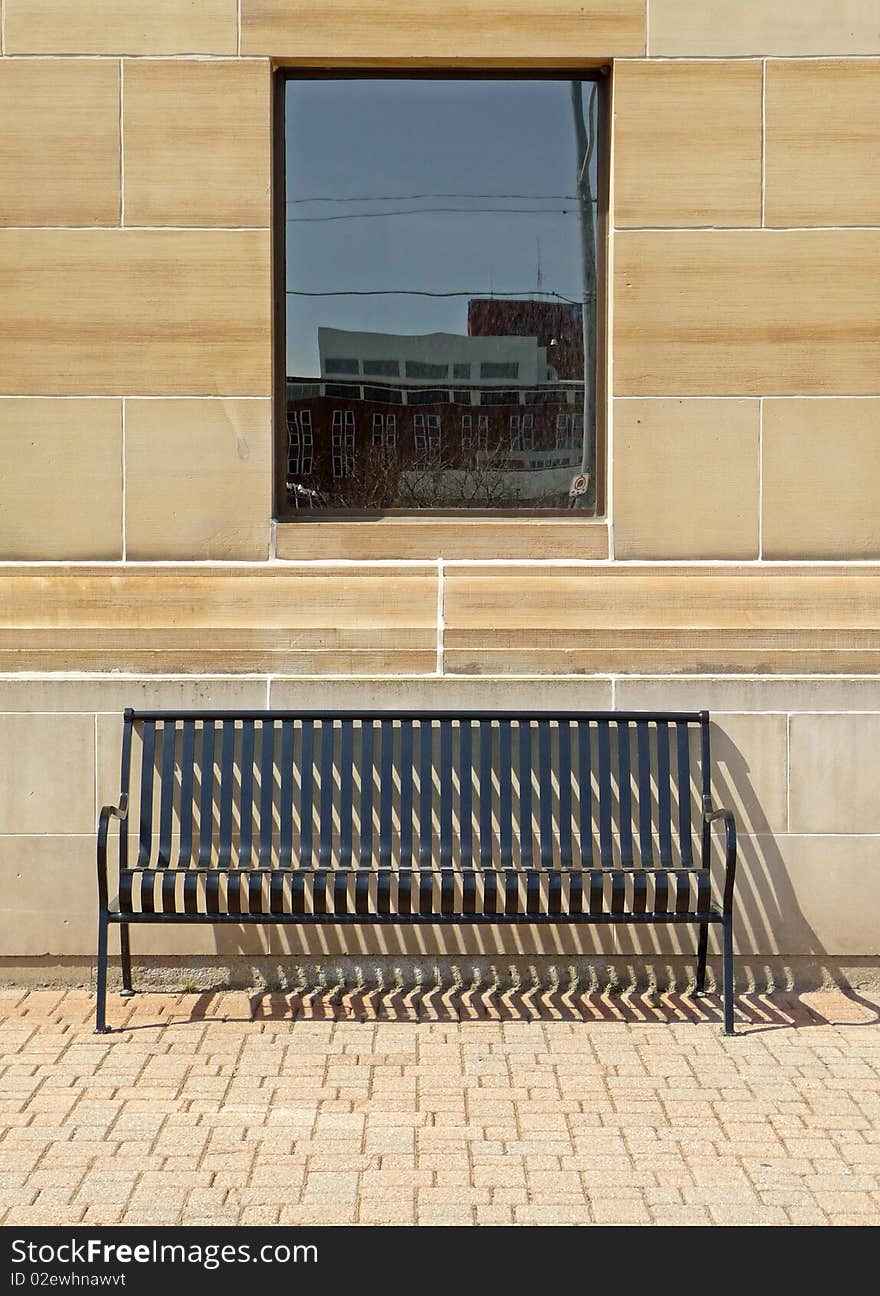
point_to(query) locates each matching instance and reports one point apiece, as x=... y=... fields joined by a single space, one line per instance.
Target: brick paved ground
x=266 y=1109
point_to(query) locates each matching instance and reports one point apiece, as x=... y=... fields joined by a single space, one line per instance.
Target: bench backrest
x=413 y=790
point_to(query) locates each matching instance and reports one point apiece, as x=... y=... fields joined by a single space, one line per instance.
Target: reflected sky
x=429 y=186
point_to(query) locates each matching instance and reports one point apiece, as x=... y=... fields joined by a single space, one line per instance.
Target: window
x=300 y=444
x=426 y=431
x=340 y=366
x=421 y=369
x=342 y=443
x=569 y=431
x=522 y=432
x=382 y=368
x=385 y=430
x=456 y=285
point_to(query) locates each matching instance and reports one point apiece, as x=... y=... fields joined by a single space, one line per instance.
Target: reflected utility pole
x=585 y=142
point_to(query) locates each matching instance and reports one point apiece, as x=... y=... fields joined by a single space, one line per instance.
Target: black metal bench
x=441 y=817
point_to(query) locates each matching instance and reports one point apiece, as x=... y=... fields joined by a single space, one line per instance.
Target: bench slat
x=246 y=807
x=684 y=794
x=206 y=795
x=227 y=790
x=624 y=793
x=285 y=841
x=148 y=753
x=346 y=791
x=366 y=802
x=664 y=803
x=166 y=804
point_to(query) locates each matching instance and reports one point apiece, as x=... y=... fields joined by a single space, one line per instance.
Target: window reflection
x=423 y=372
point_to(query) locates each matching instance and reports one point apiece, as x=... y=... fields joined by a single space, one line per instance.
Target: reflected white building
x=433 y=358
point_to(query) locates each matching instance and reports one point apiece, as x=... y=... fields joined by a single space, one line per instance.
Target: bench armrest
x=710 y=817
x=108 y=812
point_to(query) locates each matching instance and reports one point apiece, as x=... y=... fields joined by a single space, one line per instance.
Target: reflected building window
x=385 y=430
x=300 y=444
x=343 y=443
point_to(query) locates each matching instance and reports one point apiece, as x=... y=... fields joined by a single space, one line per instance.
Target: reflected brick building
x=491 y=419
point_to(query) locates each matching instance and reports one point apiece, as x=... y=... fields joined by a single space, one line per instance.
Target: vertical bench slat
x=169 y=890
x=505 y=789
x=325 y=826
x=564 y=733
x=227 y=791
x=404 y=880
x=386 y=794
x=187 y=803
x=511 y=891
x=664 y=805
x=486 y=836
x=624 y=810
x=426 y=794
x=362 y=892
x=597 y=891
x=166 y=803
x=297 y=892
x=285 y=809
x=346 y=791
x=469 y=891
x=206 y=796
x=490 y=891
x=383 y=891
x=445 y=809
x=190 y=892
x=646 y=845
x=585 y=791
x=148 y=891
x=246 y=809
x=603 y=743
x=643 y=789
x=545 y=793
x=465 y=795
x=533 y=892
x=686 y=845
x=306 y=793
x=664 y=817
x=624 y=793
x=148 y=754
x=365 y=853
x=233 y=892
x=526 y=842
x=267 y=791
x=426 y=816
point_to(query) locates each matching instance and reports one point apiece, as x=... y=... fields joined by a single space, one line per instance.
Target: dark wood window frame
x=281 y=510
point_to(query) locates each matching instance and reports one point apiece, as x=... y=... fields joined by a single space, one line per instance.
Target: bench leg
x=125 y=952
x=728 y=975
x=701 y=958
x=101 y=1027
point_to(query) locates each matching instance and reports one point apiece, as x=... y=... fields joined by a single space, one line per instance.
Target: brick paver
x=439 y=1109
